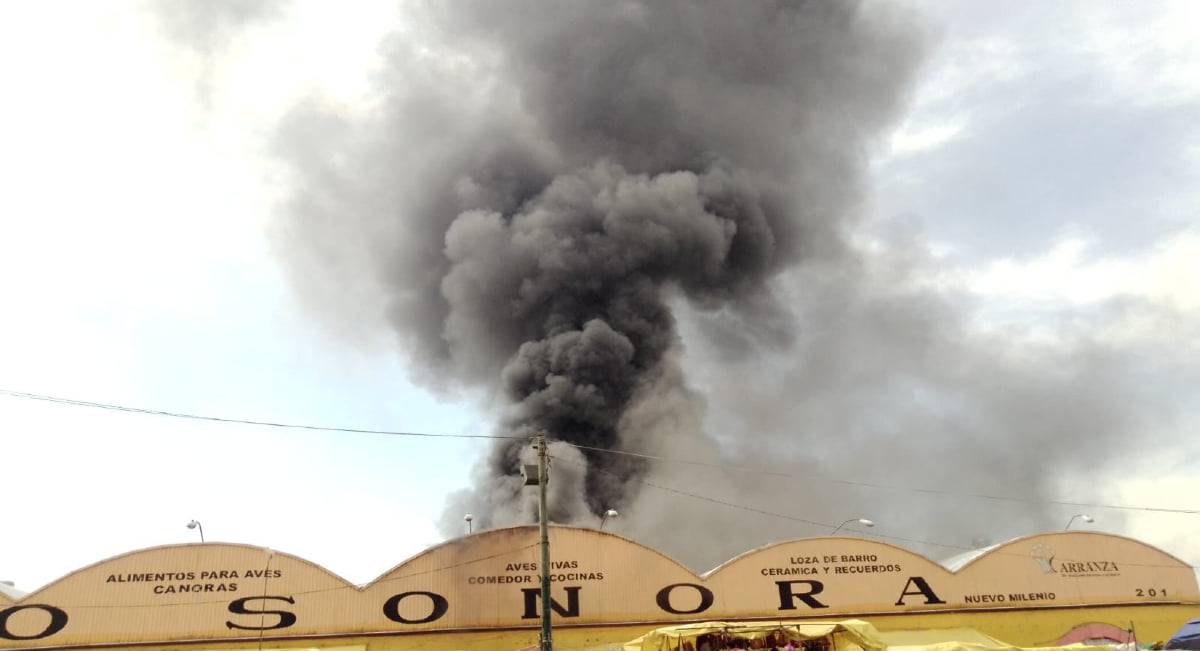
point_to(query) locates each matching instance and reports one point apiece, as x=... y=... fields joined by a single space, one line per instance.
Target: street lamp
x=863 y=521
x=611 y=513
x=1086 y=518
x=195 y=524
x=468 y=518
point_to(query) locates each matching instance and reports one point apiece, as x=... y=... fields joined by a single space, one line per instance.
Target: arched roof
x=491 y=580
x=206 y=548
x=817 y=539
x=965 y=559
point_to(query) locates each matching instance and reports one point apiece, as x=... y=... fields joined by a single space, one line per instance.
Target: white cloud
x=317 y=48
x=1168 y=275
x=1146 y=297
x=1151 y=57
x=915 y=138
x=1163 y=480
x=134 y=270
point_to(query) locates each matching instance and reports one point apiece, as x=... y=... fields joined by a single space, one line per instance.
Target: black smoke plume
x=640 y=225
x=549 y=177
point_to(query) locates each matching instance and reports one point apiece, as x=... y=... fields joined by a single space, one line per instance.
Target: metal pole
x=544 y=529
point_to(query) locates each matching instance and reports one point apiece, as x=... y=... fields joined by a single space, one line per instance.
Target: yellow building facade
x=481 y=592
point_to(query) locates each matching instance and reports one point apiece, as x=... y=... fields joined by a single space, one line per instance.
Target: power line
x=914 y=489
x=793 y=518
x=260 y=423
x=704 y=498
x=814 y=523
x=725 y=467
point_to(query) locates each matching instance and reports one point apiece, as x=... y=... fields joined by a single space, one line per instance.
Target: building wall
x=481 y=592
x=1024 y=628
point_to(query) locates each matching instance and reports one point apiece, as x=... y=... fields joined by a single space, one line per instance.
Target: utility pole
x=544 y=529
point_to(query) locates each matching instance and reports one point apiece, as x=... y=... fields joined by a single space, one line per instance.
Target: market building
x=481 y=592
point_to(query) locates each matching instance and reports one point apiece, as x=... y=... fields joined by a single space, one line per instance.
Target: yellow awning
x=847 y=635
x=931 y=636
x=959 y=639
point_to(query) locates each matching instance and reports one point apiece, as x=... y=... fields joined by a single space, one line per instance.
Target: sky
x=1044 y=172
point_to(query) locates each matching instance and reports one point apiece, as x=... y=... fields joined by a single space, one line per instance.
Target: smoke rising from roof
x=547 y=195
x=615 y=155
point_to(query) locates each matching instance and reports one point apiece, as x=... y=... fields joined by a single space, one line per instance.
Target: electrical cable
x=815 y=523
x=850 y=482
x=726 y=467
x=261 y=423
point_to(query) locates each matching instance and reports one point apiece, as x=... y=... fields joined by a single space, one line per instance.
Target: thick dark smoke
x=533 y=202
x=580 y=274
x=638 y=226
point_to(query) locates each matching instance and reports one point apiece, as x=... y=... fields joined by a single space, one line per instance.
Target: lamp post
x=195 y=524
x=611 y=513
x=1081 y=516
x=863 y=521
x=468 y=518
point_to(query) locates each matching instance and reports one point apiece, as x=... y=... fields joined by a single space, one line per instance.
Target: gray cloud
x=891 y=382
x=209 y=25
x=1084 y=135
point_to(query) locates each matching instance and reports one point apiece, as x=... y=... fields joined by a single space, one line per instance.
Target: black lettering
x=238 y=607
x=391 y=608
x=532 y=595
x=787 y=595
x=922 y=588
x=663 y=599
x=58 y=620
